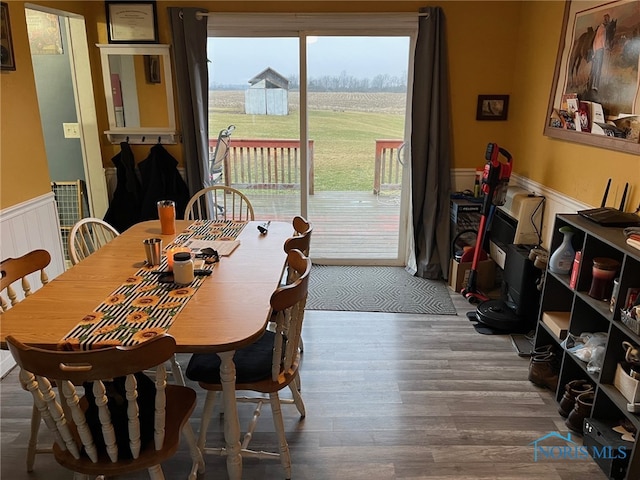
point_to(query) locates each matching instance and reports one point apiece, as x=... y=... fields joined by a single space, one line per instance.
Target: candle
x=171 y=252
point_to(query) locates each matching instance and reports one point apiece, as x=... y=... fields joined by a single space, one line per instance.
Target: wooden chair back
x=14 y=269
x=288 y=304
x=88 y=236
x=300 y=241
x=64 y=414
x=301 y=225
x=219 y=202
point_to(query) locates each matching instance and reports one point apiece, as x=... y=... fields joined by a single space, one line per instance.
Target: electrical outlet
x=71 y=130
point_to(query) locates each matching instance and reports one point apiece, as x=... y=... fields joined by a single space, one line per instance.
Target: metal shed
x=268 y=94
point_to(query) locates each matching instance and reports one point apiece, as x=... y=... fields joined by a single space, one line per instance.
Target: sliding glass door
x=249 y=89
x=319 y=129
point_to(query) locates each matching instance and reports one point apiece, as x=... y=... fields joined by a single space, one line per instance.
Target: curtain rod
x=200 y=15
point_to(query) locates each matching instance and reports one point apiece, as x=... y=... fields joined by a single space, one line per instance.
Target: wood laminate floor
x=388 y=397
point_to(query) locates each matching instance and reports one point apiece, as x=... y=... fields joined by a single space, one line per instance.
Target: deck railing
x=264 y=163
x=275 y=164
x=388 y=169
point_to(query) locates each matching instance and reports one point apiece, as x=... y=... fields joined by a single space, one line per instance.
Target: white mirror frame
x=140 y=135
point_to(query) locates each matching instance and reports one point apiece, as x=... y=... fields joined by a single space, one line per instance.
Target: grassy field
x=343 y=126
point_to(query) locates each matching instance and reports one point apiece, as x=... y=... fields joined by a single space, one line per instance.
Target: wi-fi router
x=609 y=216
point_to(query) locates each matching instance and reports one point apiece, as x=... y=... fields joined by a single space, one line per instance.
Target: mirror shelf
x=139 y=93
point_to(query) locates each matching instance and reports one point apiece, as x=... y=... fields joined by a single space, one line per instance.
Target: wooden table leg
x=231 y=421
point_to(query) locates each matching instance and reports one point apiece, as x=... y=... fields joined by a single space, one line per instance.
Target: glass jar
x=182 y=268
x=604 y=270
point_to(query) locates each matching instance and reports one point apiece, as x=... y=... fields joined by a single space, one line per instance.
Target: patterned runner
x=142 y=307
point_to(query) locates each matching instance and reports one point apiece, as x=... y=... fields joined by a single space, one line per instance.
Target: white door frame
x=85 y=108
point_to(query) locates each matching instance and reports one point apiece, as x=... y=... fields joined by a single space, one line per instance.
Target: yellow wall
x=23 y=167
x=494 y=48
x=573 y=169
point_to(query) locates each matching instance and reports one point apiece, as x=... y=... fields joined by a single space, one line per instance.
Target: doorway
x=345 y=103
x=60 y=58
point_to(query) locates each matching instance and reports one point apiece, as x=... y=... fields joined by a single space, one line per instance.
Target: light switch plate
x=71 y=130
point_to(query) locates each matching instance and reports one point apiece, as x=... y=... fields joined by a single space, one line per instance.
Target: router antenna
x=624 y=197
x=606 y=193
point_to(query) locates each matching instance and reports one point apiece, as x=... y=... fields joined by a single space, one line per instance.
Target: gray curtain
x=189 y=36
x=431 y=147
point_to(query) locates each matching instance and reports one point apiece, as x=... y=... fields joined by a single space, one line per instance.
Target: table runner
x=141 y=307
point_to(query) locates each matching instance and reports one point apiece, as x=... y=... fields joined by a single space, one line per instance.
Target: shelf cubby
x=590 y=315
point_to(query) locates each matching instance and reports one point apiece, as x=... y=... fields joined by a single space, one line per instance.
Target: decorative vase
x=562 y=259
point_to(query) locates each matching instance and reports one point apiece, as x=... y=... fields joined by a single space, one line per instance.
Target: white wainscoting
x=555 y=202
x=29 y=226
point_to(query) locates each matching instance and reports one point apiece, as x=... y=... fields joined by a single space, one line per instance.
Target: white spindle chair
x=87 y=236
x=266 y=366
x=219 y=202
x=106 y=449
x=13 y=270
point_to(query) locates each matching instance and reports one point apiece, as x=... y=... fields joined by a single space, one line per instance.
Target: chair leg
x=297 y=398
x=207 y=413
x=278 y=423
x=176 y=371
x=155 y=473
x=33 y=438
x=194 y=451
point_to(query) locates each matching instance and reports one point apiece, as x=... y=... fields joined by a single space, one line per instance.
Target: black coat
x=161 y=181
x=124 y=208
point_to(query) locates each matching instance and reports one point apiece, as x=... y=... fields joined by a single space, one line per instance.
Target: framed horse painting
x=597 y=68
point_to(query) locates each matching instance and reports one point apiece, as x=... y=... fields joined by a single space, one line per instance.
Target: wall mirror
x=138 y=90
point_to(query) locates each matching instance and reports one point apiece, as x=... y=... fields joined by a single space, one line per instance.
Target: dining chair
x=303 y=228
x=219 y=202
x=266 y=367
x=87 y=236
x=125 y=422
x=13 y=270
x=301 y=241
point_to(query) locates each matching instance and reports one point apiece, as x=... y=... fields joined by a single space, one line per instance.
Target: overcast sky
x=236 y=60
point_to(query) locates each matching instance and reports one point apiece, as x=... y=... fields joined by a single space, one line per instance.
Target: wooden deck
x=347 y=225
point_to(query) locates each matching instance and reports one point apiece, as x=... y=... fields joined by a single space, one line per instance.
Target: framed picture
x=132 y=22
x=7 y=60
x=597 y=63
x=492 y=107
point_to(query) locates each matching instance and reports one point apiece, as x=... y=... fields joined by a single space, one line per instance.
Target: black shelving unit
x=590 y=315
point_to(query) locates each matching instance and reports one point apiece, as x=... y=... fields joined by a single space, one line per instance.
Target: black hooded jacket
x=124 y=208
x=161 y=181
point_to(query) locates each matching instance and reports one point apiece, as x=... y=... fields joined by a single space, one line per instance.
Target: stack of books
x=633 y=236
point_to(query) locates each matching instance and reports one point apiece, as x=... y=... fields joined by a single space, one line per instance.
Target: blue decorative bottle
x=562 y=259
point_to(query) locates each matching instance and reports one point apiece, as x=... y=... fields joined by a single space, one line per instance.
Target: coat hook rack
x=143 y=137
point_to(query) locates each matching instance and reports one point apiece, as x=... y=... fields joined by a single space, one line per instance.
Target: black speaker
x=520 y=280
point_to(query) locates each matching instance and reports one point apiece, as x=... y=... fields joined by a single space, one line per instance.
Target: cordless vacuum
x=495 y=179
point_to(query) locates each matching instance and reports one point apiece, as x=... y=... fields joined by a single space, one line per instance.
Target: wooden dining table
x=229 y=310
